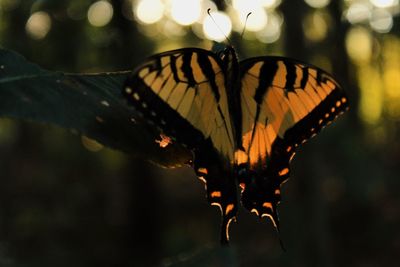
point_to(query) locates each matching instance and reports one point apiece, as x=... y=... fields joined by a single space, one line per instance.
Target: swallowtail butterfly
x=242 y=120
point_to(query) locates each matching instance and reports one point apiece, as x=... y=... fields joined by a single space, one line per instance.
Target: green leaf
x=90 y=104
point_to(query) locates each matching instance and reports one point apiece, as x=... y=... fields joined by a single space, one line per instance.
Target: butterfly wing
x=284 y=103
x=184 y=89
x=183 y=93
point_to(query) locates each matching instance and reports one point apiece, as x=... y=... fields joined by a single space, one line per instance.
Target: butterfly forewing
x=183 y=91
x=278 y=94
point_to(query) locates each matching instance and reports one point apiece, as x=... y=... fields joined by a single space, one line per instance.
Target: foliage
x=91 y=105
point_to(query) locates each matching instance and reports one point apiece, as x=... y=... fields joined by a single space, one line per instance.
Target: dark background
x=62 y=204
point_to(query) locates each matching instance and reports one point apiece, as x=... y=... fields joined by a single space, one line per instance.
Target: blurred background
x=65 y=201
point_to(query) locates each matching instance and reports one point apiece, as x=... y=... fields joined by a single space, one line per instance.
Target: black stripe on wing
x=277 y=93
x=183 y=93
x=158 y=113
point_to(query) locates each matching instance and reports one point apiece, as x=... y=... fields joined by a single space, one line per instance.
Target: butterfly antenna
x=278 y=233
x=245 y=23
x=281 y=242
x=219 y=28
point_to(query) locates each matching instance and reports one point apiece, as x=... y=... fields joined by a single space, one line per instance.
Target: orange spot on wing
x=284 y=171
x=215 y=194
x=268 y=205
x=229 y=208
x=202 y=170
x=165 y=141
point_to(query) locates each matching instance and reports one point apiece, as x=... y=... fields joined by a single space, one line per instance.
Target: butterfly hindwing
x=284 y=103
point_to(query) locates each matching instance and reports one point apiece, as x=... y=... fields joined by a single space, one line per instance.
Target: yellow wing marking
x=194 y=100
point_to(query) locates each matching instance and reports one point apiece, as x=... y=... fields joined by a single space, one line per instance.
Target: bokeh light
x=185 y=12
x=272 y=30
x=256 y=21
x=246 y=6
x=359 y=45
x=371 y=98
x=271 y=3
x=392 y=81
x=384 y=3
x=315 y=26
x=358 y=12
x=205 y=6
x=171 y=28
x=38 y=25
x=381 y=20
x=100 y=13
x=149 y=11
x=194 y=13
x=317 y=3
x=217 y=27
x=391 y=75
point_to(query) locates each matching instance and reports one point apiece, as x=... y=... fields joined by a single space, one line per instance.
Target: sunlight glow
x=100 y=13
x=246 y=6
x=371 y=99
x=384 y=3
x=212 y=31
x=359 y=44
x=171 y=28
x=317 y=3
x=271 y=3
x=38 y=25
x=149 y=11
x=258 y=18
x=185 y=12
x=391 y=74
x=271 y=31
x=256 y=21
x=358 y=12
x=205 y=5
x=381 y=21
x=315 y=26
x=392 y=82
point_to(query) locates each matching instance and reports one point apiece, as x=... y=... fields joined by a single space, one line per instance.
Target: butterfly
x=242 y=120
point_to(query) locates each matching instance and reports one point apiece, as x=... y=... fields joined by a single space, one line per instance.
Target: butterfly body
x=242 y=120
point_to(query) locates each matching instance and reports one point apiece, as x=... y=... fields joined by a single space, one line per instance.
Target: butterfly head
x=261 y=193
x=228 y=55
